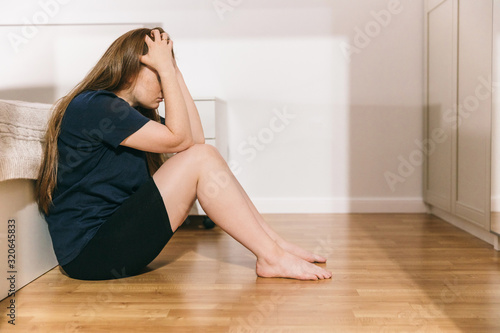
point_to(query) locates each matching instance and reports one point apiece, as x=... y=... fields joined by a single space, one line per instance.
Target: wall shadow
x=40 y=94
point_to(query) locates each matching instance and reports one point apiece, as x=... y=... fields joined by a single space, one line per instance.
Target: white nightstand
x=213 y=114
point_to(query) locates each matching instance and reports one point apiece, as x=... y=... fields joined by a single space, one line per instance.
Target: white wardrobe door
x=441 y=96
x=474 y=101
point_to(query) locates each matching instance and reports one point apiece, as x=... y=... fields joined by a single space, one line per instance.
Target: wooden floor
x=392 y=273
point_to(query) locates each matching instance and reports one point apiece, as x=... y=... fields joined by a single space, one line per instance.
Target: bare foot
x=300 y=252
x=287 y=265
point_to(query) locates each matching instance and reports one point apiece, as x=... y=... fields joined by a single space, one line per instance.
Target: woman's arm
x=194 y=116
x=176 y=134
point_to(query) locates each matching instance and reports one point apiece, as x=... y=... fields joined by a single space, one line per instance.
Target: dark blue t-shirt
x=95 y=174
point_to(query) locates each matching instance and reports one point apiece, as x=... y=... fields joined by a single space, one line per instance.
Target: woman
x=111 y=202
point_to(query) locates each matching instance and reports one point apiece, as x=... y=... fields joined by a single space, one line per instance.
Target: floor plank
x=392 y=273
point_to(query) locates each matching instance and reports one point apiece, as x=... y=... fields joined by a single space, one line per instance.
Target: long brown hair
x=116 y=70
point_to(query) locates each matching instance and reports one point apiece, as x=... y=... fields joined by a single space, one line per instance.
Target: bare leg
x=201 y=172
x=287 y=246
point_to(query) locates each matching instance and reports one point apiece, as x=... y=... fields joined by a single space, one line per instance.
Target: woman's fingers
x=148 y=40
x=160 y=50
x=160 y=36
x=156 y=34
x=165 y=36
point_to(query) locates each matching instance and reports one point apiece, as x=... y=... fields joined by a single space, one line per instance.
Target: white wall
x=355 y=118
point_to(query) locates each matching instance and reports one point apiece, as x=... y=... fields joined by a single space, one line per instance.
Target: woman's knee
x=191 y=158
x=203 y=152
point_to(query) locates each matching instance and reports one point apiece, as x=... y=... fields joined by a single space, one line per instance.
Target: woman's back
x=95 y=174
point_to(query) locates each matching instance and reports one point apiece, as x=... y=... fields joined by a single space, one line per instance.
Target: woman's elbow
x=177 y=144
x=186 y=143
x=196 y=139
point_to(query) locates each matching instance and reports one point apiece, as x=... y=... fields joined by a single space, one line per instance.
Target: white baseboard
x=339 y=205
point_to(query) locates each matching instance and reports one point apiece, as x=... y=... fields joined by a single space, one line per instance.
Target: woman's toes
x=325 y=274
x=290 y=266
x=318 y=258
x=301 y=253
x=313 y=277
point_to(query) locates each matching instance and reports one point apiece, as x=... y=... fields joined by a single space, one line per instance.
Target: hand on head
x=160 y=54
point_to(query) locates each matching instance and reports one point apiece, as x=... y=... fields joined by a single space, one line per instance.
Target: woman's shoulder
x=93 y=96
x=95 y=101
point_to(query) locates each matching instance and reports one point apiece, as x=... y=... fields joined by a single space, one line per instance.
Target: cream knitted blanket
x=22 y=127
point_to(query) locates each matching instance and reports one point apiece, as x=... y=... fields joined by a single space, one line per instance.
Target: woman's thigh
x=177 y=180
